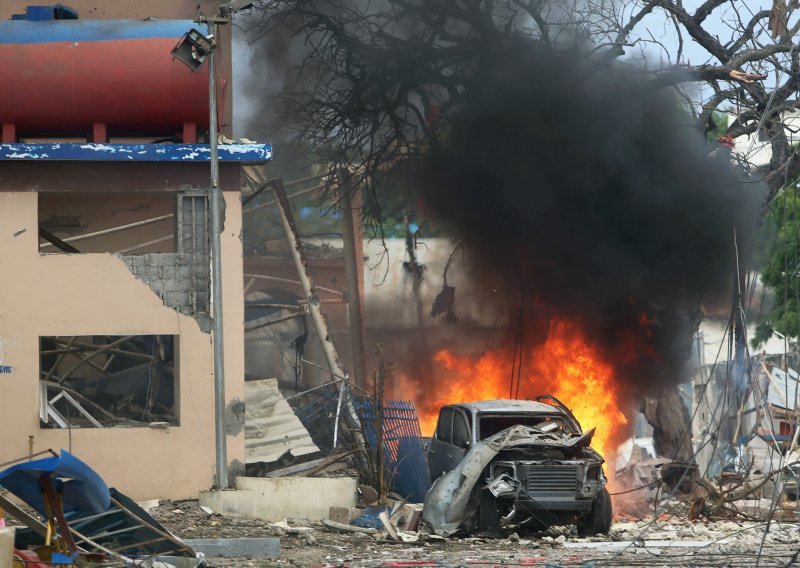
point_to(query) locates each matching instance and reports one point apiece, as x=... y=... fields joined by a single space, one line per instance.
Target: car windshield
x=491 y=424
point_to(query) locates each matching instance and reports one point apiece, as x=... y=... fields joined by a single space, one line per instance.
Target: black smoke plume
x=593 y=196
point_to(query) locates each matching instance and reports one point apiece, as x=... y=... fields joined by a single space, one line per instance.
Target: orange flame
x=566 y=365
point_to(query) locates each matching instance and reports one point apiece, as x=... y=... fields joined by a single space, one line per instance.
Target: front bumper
x=560 y=504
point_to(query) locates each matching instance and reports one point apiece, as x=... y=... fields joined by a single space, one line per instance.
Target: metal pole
x=310 y=290
x=354 y=272
x=318 y=320
x=216 y=280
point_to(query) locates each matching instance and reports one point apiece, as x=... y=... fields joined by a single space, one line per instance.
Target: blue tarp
x=83 y=489
x=369 y=518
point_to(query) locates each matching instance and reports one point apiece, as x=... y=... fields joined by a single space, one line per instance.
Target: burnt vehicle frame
x=505 y=463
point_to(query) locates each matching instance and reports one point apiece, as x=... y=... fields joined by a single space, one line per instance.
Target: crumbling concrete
x=278 y=498
x=86 y=294
x=237 y=547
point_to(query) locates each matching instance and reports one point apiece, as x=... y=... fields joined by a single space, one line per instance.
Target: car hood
x=527 y=436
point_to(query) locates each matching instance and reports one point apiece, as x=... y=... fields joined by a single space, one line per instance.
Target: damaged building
x=105 y=301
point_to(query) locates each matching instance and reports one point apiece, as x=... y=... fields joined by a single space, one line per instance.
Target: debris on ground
x=66 y=514
x=669 y=541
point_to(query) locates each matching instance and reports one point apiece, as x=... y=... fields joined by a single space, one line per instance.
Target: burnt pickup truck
x=514 y=463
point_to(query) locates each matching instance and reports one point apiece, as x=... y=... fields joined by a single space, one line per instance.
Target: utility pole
x=350 y=200
x=216 y=279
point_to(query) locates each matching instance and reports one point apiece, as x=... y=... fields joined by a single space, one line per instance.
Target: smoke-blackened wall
x=593 y=196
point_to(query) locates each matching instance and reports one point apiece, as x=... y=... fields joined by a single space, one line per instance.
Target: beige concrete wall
x=96 y=294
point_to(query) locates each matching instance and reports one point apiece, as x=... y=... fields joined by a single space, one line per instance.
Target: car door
x=441 y=444
x=451 y=441
x=462 y=438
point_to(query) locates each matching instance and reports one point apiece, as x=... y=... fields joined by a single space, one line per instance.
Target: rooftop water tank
x=71 y=78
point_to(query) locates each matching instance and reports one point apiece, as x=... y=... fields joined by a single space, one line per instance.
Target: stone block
x=278 y=498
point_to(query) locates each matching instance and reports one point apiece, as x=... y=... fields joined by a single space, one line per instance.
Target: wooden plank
x=29 y=521
x=169 y=536
x=298 y=468
x=330 y=460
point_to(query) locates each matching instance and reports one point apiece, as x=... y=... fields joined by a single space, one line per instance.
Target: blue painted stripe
x=244 y=153
x=21 y=31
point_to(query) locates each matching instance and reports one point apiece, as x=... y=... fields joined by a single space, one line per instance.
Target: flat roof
x=94 y=152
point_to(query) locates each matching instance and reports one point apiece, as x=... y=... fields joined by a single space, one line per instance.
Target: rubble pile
x=674 y=542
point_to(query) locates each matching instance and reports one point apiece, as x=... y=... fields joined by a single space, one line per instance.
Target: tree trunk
x=672 y=437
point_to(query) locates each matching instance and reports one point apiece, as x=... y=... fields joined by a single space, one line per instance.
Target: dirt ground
x=667 y=542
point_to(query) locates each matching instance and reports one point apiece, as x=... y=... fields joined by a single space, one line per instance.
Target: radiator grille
x=545 y=480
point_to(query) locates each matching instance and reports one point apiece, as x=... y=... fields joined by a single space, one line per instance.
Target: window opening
x=107 y=222
x=461 y=435
x=104 y=381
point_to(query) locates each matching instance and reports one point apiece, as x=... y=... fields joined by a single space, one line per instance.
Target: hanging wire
x=660 y=511
x=516 y=361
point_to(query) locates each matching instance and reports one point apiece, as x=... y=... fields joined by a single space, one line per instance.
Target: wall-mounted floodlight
x=232 y=6
x=193 y=49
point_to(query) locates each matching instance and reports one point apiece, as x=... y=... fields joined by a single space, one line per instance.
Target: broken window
x=107 y=222
x=461 y=435
x=444 y=427
x=108 y=380
x=163 y=238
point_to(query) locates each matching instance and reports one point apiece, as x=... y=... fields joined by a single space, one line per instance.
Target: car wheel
x=599 y=519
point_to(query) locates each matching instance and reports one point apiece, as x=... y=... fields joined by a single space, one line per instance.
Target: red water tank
x=107 y=77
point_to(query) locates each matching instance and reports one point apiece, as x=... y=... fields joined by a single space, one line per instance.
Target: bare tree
x=375 y=80
x=377 y=83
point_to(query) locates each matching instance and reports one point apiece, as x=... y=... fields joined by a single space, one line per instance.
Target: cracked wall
x=94 y=294
x=182 y=279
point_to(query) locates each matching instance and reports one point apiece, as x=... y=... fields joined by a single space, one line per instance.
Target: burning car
x=504 y=463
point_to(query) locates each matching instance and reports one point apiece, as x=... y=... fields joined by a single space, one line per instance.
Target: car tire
x=599 y=520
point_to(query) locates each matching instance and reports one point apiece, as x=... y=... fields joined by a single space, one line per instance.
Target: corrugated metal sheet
x=778 y=394
x=271 y=427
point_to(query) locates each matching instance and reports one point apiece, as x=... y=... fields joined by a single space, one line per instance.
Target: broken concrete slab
x=275 y=499
x=406 y=516
x=150 y=504
x=237 y=547
x=344 y=514
x=289 y=529
x=388 y=525
x=339 y=527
